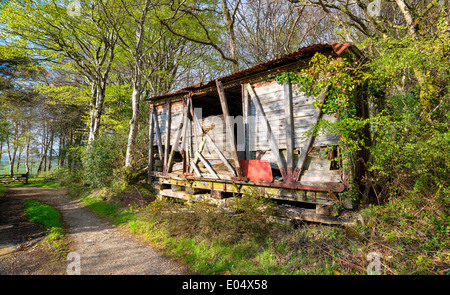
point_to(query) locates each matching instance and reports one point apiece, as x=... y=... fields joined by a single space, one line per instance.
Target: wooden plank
x=208 y=167
x=230 y=129
x=200 y=148
x=269 y=88
x=245 y=114
x=158 y=135
x=188 y=143
x=270 y=136
x=322 y=176
x=177 y=136
x=214 y=146
x=167 y=146
x=151 y=135
x=311 y=215
x=305 y=148
x=289 y=126
x=195 y=168
x=314 y=163
x=326 y=140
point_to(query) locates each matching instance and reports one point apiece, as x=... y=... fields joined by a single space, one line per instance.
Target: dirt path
x=102 y=247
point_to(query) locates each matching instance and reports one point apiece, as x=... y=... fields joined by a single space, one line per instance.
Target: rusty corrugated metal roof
x=304 y=52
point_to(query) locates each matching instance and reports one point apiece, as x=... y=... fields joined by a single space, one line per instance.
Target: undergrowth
x=409 y=235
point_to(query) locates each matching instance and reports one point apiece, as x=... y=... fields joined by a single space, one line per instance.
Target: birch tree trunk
x=27 y=157
x=135 y=99
x=137 y=85
x=11 y=157
x=408 y=18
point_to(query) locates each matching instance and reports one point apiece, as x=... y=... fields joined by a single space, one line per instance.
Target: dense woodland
x=75 y=74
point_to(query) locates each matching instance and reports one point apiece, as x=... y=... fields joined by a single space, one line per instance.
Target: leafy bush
x=62 y=176
x=101 y=159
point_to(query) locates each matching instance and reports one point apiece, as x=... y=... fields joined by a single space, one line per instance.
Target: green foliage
x=101 y=159
x=340 y=76
x=61 y=177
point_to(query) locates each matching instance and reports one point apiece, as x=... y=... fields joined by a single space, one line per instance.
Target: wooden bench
x=15 y=178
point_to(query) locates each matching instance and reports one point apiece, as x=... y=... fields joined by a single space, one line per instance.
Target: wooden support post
x=200 y=148
x=150 y=141
x=188 y=145
x=245 y=115
x=289 y=129
x=309 y=141
x=166 y=149
x=177 y=137
x=210 y=169
x=158 y=134
x=270 y=136
x=195 y=168
x=230 y=129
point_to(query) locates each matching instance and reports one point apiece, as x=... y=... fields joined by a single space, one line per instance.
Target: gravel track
x=103 y=248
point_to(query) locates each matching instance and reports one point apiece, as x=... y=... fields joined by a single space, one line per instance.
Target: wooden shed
x=245 y=132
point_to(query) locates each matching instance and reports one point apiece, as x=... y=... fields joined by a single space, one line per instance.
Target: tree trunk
x=232 y=41
x=135 y=99
x=18 y=159
x=137 y=87
x=11 y=158
x=27 y=157
x=98 y=93
x=50 y=152
x=99 y=107
x=408 y=18
x=43 y=158
x=59 y=150
x=92 y=104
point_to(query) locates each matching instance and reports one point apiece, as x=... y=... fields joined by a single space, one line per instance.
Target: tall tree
x=49 y=29
x=149 y=52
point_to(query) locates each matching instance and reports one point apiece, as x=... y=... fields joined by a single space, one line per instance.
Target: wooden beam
x=151 y=136
x=289 y=127
x=167 y=146
x=210 y=169
x=195 y=168
x=200 y=148
x=177 y=136
x=230 y=129
x=158 y=134
x=270 y=136
x=245 y=115
x=309 y=141
x=188 y=145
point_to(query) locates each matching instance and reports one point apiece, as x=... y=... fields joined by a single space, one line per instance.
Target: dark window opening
x=210 y=102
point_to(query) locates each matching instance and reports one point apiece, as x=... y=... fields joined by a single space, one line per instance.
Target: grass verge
x=212 y=242
x=50 y=219
x=2 y=190
x=39 y=182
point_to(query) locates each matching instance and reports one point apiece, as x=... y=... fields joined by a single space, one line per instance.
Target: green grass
x=39 y=182
x=2 y=190
x=410 y=235
x=46 y=216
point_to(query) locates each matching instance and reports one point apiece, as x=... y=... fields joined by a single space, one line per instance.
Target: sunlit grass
x=46 y=216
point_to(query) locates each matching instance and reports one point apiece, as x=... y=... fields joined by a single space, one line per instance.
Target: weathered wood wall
x=209 y=160
x=271 y=95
